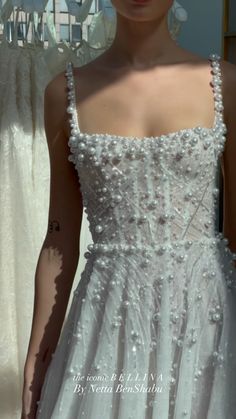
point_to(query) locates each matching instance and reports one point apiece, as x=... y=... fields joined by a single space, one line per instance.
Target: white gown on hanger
x=151 y=330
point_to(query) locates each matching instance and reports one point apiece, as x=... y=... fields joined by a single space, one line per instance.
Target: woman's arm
x=228 y=161
x=59 y=255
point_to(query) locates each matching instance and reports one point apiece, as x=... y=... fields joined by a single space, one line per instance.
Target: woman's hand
x=31 y=396
x=29 y=407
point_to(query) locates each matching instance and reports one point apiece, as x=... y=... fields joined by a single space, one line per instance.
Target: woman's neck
x=141 y=44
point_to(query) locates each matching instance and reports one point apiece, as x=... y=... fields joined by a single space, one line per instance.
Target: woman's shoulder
x=56 y=88
x=228 y=72
x=229 y=85
x=56 y=100
x=58 y=84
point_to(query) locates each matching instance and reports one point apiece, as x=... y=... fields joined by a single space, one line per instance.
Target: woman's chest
x=140 y=106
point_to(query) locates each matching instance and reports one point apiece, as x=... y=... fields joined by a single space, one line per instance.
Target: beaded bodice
x=150 y=190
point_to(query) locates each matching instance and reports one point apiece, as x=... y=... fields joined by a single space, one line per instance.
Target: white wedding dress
x=151 y=330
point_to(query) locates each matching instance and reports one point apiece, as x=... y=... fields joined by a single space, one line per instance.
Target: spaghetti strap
x=74 y=123
x=216 y=83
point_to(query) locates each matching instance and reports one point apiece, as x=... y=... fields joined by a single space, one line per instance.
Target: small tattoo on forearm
x=53 y=225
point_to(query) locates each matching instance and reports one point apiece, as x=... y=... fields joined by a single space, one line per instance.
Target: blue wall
x=202 y=33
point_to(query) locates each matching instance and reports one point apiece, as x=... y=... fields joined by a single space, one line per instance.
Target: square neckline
x=213 y=60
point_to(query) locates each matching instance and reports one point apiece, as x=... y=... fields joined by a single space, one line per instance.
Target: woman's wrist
x=33 y=374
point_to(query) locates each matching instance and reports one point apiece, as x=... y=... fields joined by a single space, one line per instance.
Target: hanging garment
x=151 y=330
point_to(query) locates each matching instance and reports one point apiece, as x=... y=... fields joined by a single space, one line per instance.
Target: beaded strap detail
x=216 y=83
x=71 y=109
x=71 y=93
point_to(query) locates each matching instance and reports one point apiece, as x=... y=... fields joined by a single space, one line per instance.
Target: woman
x=150 y=333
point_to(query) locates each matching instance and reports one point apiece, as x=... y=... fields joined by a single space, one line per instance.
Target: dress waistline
x=159 y=248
